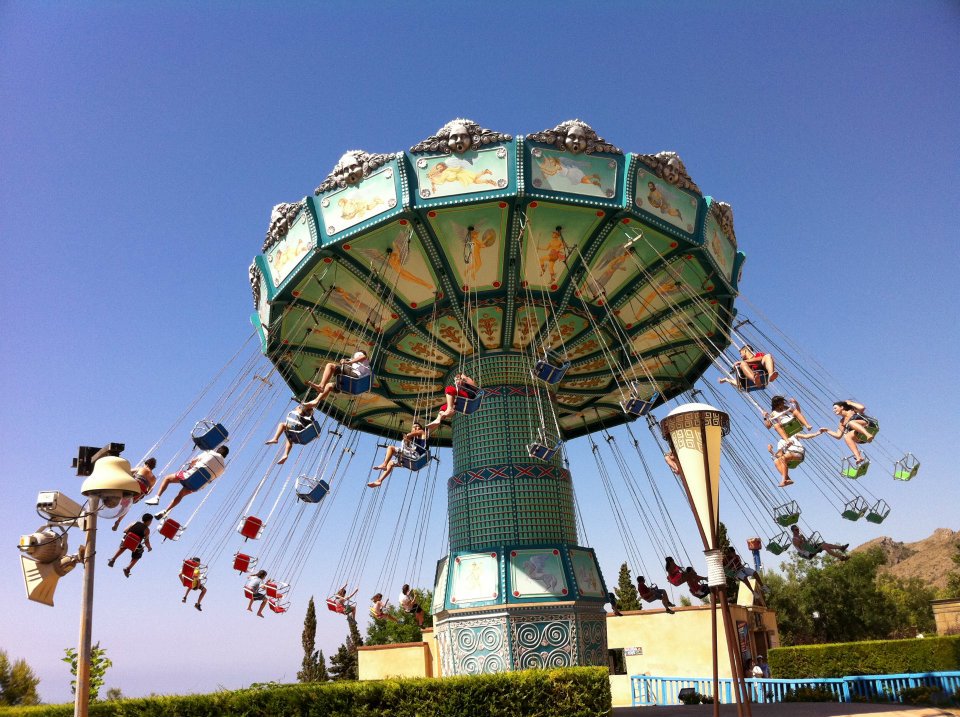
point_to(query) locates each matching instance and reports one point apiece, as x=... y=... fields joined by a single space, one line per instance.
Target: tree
x=405 y=629
x=312 y=669
x=953 y=578
x=626 y=591
x=18 y=684
x=99 y=664
x=114 y=693
x=910 y=599
x=343 y=665
x=824 y=600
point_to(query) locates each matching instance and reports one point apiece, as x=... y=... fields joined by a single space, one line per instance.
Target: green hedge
x=573 y=692
x=873 y=657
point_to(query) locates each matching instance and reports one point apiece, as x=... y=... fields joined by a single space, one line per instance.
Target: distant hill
x=928 y=559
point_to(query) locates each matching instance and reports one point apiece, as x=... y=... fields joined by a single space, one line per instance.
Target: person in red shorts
x=460 y=381
x=749 y=365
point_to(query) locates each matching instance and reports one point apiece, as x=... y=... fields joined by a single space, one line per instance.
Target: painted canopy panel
x=616 y=262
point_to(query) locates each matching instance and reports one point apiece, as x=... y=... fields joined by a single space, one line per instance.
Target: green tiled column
x=498 y=493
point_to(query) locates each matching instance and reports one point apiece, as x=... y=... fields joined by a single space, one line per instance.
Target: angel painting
x=458 y=170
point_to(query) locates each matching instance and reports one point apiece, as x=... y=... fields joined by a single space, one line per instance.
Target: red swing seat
x=170 y=529
x=131 y=541
x=243 y=562
x=250 y=527
x=192 y=574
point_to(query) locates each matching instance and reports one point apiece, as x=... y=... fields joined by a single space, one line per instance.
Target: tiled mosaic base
x=521 y=638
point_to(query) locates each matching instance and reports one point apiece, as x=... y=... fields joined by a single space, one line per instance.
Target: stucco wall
x=377 y=662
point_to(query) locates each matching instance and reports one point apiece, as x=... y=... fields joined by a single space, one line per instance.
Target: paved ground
x=789 y=709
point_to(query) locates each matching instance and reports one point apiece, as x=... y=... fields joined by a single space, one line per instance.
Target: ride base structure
x=578 y=286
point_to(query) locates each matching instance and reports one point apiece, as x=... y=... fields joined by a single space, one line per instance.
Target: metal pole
x=716 y=671
x=82 y=698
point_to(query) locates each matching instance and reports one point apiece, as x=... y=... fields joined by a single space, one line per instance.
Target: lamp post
x=110 y=482
x=693 y=432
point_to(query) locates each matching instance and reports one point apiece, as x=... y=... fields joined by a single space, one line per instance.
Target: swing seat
x=850 y=469
x=277 y=606
x=131 y=541
x=636 y=406
x=197 y=479
x=855 y=509
x=276 y=590
x=470 y=403
x=551 y=368
x=248 y=593
x=544 y=450
x=872 y=428
x=352 y=385
x=192 y=574
x=813 y=543
x=780 y=544
x=310 y=490
x=787 y=514
x=906 y=468
x=878 y=512
x=745 y=384
x=208 y=435
x=250 y=527
x=243 y=562
x=794 y=462
x=792 y=427
x=303 y=436
x=416 y=462
x=171 y=529
x=343 y=609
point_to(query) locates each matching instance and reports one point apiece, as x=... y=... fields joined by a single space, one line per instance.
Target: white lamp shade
x=111 y=474
x=685 y=427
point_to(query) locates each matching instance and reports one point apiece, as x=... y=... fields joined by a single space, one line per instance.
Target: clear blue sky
x=142 y=147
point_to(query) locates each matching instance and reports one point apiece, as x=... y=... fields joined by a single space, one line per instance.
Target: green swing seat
x=792 y=427
x=780 y=544
x=787 y=514
x=906 y=468
x=855 y=509
x=873 y=428
x=878 y=512
x=850 y=469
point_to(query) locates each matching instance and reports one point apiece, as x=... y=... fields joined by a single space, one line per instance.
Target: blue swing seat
x=302 y=436
x=749 y=386
x=208 y=435
x=196 y=480
x=310 y=490
x=471 y=402
x=416 y=462
x=352 y=385
x=551 y=368
x=543 y=450
x=636 y=406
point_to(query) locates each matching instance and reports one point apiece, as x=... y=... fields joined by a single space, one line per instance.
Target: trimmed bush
x=873 y=657
x=573 y=692
x=810 y=694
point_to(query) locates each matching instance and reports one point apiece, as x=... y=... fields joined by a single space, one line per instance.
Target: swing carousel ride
x=578 y=289
x=577 y=286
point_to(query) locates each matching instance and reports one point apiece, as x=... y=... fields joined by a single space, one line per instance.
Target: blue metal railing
x=646 y=690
